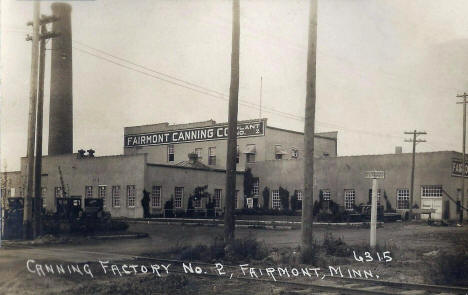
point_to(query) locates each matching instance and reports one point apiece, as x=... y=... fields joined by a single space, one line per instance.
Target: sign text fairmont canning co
x=244 y=129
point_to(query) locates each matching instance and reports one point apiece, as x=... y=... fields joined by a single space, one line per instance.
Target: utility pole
x=309 y=132
x=40 y=107
x=415 y=133
x=261 y=94
x=229 y=222
x=462 y=201
x=27 y=215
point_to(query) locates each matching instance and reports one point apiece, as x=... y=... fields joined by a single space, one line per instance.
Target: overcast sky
x=383 y=67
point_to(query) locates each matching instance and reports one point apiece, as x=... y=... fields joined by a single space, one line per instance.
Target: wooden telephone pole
x=462 y=201
x=229 y=222
x=40 y=107
x=27 y=215
x=414 y=141
x=309 y=132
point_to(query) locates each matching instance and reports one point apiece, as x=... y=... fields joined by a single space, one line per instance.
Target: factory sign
x=244 y=129
x=457 y=168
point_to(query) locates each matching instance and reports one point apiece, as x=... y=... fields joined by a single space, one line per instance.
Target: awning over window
x=250 y=149
x=279 y=151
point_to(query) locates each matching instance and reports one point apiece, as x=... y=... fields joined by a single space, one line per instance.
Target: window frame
x=275 y=199
x=89 y=191
x=349 y=199
x=212 y=155
x=400 y=198
x=432 y=191
x=217 y=197
x=170 y=152
x=156 y=196
x=178 y=194
x=131 y=196
x=115 y=195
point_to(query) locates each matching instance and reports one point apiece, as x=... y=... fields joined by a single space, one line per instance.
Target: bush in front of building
x=266 y=197
x=145 y=204
x=169 y=207
x=296 y=204
x=451 y=268
x=284 y=198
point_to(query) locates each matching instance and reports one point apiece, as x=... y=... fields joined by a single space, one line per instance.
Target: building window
x=43 y=192
x=294 y=153
x=198 y=151
x=275 y=199
x=378 y=196
x=170 y=153
x=88 y=191
x=102 y=191
x=131 y=195
x=249 y=202
x=250 y=151
x=326 y=195
x=279 y=152
x=431 y=191
x=212 y=156
x=58 y=192
x=197 y=203
x=178 y=197
x=156 y=197
x=403 y=198
x=116 y=196
x=349 y=197
x=255 y=187
x=217 y=197
x=299 y=195
x=237 y=155
x=236 y=199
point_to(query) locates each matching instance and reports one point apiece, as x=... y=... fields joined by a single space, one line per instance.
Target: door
x=432 y=203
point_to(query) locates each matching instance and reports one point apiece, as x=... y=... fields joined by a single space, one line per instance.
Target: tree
x=284 y=198
x=266 y=198
x=145 y=204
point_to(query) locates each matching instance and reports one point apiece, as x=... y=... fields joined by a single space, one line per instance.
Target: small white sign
x=375 y=174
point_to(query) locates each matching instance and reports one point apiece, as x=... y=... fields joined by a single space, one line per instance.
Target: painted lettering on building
x=457 y=168
x=245 y=129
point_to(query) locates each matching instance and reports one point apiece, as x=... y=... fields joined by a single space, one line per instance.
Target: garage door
x=432 y=203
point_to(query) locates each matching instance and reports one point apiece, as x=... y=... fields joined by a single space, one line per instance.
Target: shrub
x=451 y=268
x=284 y=198
x=266 y=198
x=335 y=246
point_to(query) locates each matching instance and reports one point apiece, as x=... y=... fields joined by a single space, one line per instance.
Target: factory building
x=437 y=183
x=156 y=160
x=257 y=142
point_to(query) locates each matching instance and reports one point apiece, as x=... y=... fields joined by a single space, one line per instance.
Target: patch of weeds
x=451 y=268
x=335 y=246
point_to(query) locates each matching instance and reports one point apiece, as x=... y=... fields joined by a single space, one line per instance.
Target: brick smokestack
x=61 y=83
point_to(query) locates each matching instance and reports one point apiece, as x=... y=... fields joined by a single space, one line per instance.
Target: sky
x=383 y=67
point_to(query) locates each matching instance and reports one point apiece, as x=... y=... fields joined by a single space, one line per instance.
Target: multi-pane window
x=212 y=156
x=349 y=197
x=217 y=197
x=170 y=153
x=431 y=191
x=378 y=196
x=102 y=192
x=249 y=202
x=237 y=155
x=294 y=153
x=88 y=191
x=43 y=192
x=275 y=199
x=131 y=196
x=197 y=203
x=156 y=196
x=299 y=195
x=255 y=186
x=326 y=194
x=58 y=192
x=198 y=151
x=178 y=197
x=403 y=198
x=250 y=153
x=116 y=196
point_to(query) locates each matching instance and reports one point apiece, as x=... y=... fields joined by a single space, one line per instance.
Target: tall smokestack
x=61 y=80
